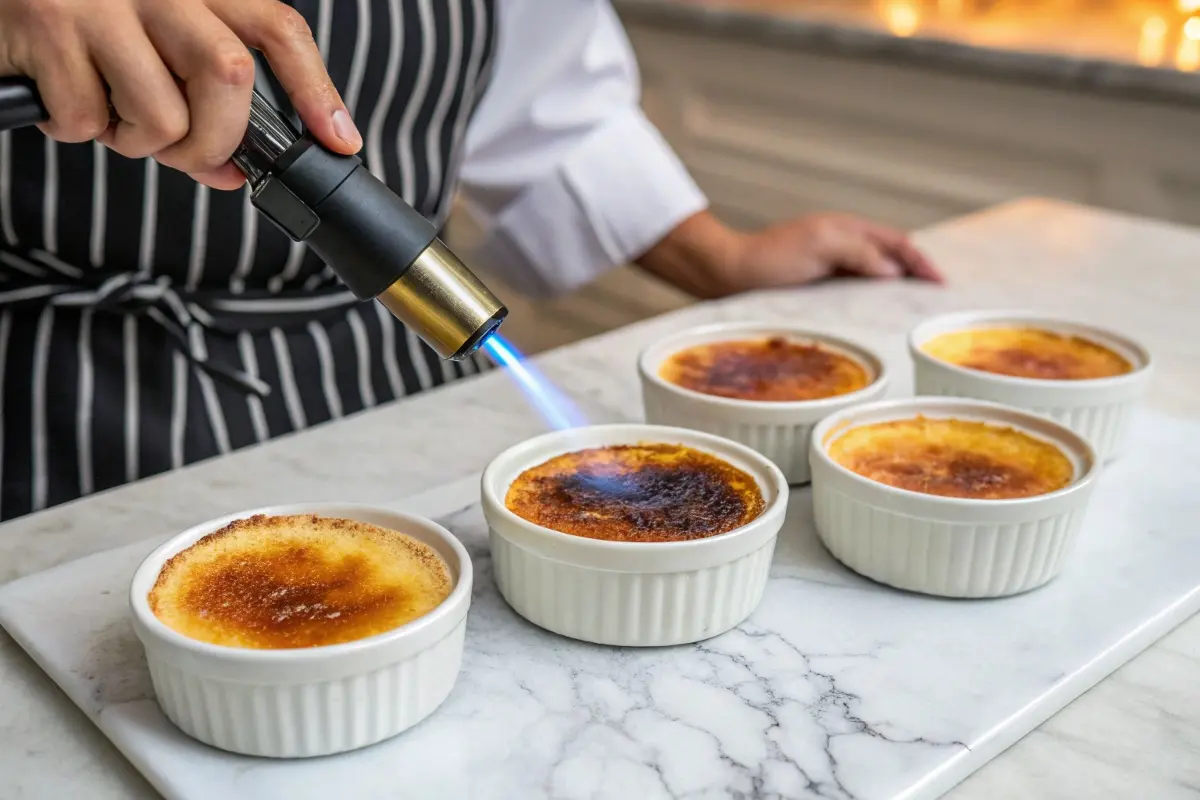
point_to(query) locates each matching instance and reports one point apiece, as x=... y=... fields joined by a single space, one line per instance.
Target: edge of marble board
x=1072 y=686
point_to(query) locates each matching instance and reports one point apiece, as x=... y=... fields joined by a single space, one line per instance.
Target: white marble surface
x=835 y=687
x=1136 y=734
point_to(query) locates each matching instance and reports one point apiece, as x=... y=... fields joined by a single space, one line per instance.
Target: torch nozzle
x=443 y=302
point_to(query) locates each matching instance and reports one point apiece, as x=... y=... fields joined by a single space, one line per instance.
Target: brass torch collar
x=443 y=302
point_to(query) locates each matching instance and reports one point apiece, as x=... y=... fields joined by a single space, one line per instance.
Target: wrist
x=700 y=255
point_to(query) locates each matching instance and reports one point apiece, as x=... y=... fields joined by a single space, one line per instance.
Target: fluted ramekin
x=631 y=593
x=948 y=546
x=1100 y=410
x=778 y=430
x=314 y=701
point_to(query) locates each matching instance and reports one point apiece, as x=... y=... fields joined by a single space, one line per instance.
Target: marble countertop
x=1135 y=734
x=1081 y=45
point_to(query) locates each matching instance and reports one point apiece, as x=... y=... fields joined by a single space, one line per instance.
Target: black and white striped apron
x=147 y=322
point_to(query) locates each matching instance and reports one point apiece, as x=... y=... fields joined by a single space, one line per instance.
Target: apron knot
x=158 y=300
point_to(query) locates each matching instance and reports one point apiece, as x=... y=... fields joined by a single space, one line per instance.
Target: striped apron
x=147 y=322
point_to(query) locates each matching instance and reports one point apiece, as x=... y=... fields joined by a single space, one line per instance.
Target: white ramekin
x=630 y=593
x=314 y=701
x=948 y=546
x=1099 y=409
x=780 y=431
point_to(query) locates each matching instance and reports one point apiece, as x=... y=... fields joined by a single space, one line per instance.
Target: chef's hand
x=708 y=259
x=178 y=73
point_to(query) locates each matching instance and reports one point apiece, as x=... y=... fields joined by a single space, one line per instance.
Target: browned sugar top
x=1028 y=353
x=770 y=370
x=298 y=581
x=637 y=493
x=954 y=458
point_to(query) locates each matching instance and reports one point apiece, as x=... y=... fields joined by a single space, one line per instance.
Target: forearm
x=698 y=256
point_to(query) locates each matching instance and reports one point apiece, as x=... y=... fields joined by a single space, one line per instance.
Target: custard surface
x=954 y=458
x=765 y=370
x=1028 y=353
x=636 y=493
x=298 y=581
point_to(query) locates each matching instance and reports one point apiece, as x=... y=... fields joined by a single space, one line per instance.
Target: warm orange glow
x=902 y=16
x=1162 y=34
x=1152 y=46
x=1187 y=57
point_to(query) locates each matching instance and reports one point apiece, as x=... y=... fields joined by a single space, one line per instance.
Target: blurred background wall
x=907 y=111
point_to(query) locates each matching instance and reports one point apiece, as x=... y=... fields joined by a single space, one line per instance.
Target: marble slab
x=835 y=688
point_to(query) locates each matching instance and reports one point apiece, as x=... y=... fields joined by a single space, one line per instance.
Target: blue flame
x=556 y=408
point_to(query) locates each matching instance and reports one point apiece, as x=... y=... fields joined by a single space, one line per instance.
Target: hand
x=178 y=74
x=706 y=258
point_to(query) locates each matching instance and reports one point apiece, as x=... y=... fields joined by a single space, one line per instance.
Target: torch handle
x=20 y=104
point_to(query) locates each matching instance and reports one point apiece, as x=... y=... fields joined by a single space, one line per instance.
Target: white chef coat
x=563 y=171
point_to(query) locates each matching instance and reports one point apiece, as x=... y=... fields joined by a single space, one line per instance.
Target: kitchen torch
x=379 y=245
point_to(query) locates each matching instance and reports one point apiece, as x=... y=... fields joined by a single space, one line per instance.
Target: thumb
x=865 y=259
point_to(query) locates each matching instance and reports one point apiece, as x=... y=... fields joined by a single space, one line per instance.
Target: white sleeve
x=563 y=172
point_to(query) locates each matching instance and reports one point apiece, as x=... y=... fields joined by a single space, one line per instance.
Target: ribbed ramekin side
x=629 y=608
x=784 y=445
x=301 y=720
x=943 y=558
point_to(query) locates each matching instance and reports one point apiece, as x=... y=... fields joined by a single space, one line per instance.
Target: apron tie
x=162 y=303
x=182 y=314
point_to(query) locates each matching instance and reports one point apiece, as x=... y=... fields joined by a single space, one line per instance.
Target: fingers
x=47 y=46
x=899 y=247
x=863 y=257
x=850 y=248
x=225 y=178
x=217 y=73
x=72 y=92
x=916 y=264
x=153 y=113
x=283 y=35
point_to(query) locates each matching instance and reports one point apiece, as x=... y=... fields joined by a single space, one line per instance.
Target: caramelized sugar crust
x=954 y=458
x=298 y=581
x=636 y=493
x=773 y=370
x=1028 y=353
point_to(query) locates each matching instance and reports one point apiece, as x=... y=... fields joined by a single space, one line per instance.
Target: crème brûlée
x=1028 y=353
x=274 y=582
x=766 y=370
x=636 y=493
x=954 y=458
